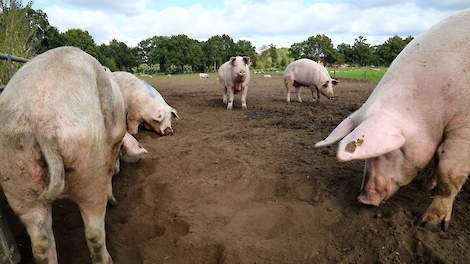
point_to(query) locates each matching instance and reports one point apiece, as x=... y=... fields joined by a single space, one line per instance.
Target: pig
x=63 y=122
x=418 y=111
x=234 y=76
x=131 y=150
x=203 y=76
x=307 y=73
x=144 y=104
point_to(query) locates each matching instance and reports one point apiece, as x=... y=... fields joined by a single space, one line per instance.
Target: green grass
x=371 y=74
x=364 y=73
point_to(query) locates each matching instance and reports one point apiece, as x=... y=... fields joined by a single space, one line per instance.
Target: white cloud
x=262 y=22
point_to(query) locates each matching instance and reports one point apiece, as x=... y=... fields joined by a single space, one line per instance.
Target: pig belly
x=237 y=88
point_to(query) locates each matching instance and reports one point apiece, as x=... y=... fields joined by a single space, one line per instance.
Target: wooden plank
x=9 y=253
x=4 y=56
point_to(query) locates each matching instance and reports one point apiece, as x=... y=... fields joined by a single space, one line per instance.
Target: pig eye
x=155 y=121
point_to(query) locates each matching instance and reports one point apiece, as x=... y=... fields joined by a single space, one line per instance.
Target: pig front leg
x=289 y=82
x=452 y=173
x=230 y=98
x=38 y=223
x=315 y=95
x=245 y=91
x=297 y=92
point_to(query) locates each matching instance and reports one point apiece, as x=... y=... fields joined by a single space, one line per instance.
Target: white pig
x=234 y=76
x=307 y=73
x=421 y=108
x=144 y=104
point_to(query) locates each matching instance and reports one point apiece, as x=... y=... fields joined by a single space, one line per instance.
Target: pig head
x=145 y=105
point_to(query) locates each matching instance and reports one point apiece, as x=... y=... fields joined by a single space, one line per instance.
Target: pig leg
x=289 y=82
x=93 y=213
x=298 y=89
x=230 y=98
x=245 y=91
x=224 y=95
x=314 y=97
x=38 y=223
x=452 y=173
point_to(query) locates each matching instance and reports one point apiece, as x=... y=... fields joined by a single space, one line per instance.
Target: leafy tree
x=15 y=33
x=363 y=53
x=345 y=53
x=45 y=36
x=319 y=47
x=245 y=48
x=118 y=55
x=390 y=49
x=219 y=49
x=81 y=39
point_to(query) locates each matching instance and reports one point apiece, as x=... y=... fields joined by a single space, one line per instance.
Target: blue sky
x=281 y=22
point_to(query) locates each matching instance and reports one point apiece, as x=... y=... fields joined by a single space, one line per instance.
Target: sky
x=260 y=21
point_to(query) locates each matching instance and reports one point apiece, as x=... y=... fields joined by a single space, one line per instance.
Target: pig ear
x=247 y=60
x=175 y=113
x=232 y=60
x=375 y=136
x=339 y=132
x=334 y=81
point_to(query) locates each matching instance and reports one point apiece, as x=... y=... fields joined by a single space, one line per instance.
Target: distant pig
x=307 y=73
x=62 y=124
x=420 y=109
x=144 y=104
x=234 y=76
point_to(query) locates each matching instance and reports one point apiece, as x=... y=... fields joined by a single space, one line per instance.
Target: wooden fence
x=10 y=59
x=9 y=253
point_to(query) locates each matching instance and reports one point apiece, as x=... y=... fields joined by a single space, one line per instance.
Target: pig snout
x=168 y=131
x=377 y=190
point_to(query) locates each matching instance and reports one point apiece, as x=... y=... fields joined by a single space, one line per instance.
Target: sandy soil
x=249 y=187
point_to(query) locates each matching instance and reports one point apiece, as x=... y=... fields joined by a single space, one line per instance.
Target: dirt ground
x=249 y=187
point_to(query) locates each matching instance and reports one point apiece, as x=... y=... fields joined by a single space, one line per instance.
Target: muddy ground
x=249 y=187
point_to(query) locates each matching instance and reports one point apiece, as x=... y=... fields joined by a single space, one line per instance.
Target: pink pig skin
x=419 y=109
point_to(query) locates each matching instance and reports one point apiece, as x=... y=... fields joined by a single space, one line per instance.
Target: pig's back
x=56 y=96
x=304 y=71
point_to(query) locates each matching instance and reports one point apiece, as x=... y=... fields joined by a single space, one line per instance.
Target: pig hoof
x=244 y=107
x=229 y=107
x=112 y=201
x=434 y=223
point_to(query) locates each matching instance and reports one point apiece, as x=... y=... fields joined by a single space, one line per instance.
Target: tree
x=45 y=36
x=81 y=39
x=245 y=48
x=390 y=49
x=272 y=53
x=363 y=53
x=345 y=53
x=319 y=47
x=118 y=55
x=15 y=32
x=219 y=49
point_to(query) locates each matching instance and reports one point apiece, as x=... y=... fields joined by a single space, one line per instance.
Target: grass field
x=371 y=74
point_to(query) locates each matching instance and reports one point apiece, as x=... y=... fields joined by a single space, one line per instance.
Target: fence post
x=9 y=66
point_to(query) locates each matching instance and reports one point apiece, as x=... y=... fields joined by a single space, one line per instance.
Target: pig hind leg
x=93 y=212
x=38 y=223
x=453 y=171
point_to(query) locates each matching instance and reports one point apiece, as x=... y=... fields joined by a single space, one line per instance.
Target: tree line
x=27 y=32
